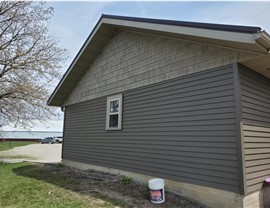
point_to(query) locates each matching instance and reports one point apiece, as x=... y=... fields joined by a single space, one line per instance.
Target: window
x=114 y=112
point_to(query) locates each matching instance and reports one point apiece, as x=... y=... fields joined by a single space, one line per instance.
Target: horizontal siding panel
x=260 y=105
x=247 y=105
x=256 y=134
x=162 y=142
x=255 y=96
x=121 y=138
x=257 y=139
x=188 y=115
x=257 y=180
x=257 y=113
x=161 y=133
x=187 y=81
x=185 y=92
x=97 y=107
x=176 y=127
x=257 y=168
x=256 y=157
x=182 y=129
x=254 y=188
x=257 y=145
x=209 y=104
x=251 y=119
x=179 y=121
x=257 y=151
x=85 y=115
x=253 y=76
x=145 y=153
x=123 y=147
x=257 y=162
x=172 y=164
x=172 y=127
x=174 y=118
x=256 y=128
x=191 y=98
x=202 y=158
x=251 y=83
x=257 y=174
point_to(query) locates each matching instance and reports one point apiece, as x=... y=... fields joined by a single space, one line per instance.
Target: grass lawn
x=26 y=185
x=10 y=144
x=16 y=157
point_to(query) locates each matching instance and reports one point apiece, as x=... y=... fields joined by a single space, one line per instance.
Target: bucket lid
x=156 y=181
x=267 y=180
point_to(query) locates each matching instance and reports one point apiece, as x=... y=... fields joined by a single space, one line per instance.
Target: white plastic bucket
x=157 y=192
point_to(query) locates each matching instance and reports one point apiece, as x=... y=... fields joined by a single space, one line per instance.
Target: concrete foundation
x=253 y=200
x=210 y=197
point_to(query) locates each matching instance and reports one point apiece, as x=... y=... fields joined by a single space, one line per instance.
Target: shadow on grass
x=65 y=180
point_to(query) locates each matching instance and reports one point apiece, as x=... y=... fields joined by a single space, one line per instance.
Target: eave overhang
x=250 y=39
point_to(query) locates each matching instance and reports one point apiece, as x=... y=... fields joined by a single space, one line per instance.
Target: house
x=187 y=102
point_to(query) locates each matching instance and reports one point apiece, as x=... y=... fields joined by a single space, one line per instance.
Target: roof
x=246 y=38
x=231 y=28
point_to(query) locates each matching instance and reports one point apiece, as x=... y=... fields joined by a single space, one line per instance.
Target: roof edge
x=210 y=26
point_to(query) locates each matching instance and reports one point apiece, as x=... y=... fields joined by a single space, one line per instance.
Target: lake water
x=28 y=134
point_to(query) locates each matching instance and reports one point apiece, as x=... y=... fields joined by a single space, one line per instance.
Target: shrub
x=127 y=180
x=60 y=165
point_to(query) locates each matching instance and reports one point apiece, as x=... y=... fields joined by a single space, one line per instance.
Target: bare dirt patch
x=134 y=194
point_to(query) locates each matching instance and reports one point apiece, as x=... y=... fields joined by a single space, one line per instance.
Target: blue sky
x=73 y=21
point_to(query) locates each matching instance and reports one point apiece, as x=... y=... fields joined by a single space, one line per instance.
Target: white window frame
x=109 y=99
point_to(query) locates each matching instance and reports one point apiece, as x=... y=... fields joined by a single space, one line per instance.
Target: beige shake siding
x=132 y=60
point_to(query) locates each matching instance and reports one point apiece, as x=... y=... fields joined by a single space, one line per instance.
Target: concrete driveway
x=45 y=153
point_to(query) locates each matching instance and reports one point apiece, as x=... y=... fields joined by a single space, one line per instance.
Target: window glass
x=114 y=106
x=113 y=121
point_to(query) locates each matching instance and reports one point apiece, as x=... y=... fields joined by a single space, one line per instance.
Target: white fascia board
x=263 y=38
x=197 y=32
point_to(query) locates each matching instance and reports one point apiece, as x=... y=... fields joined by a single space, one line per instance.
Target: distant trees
x=29 y=60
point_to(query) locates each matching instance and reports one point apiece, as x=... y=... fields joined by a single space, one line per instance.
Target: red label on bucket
x=156 y=195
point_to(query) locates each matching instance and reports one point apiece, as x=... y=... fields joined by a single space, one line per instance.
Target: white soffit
x=260 y=64
x=230 y=39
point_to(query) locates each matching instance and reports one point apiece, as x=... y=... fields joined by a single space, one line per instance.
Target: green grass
x=26 y=185
x=10 y=144
x=127 y=180
x=17 y=157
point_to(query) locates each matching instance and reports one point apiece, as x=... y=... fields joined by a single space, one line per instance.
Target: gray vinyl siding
x=255 y=97
x=183 y=129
